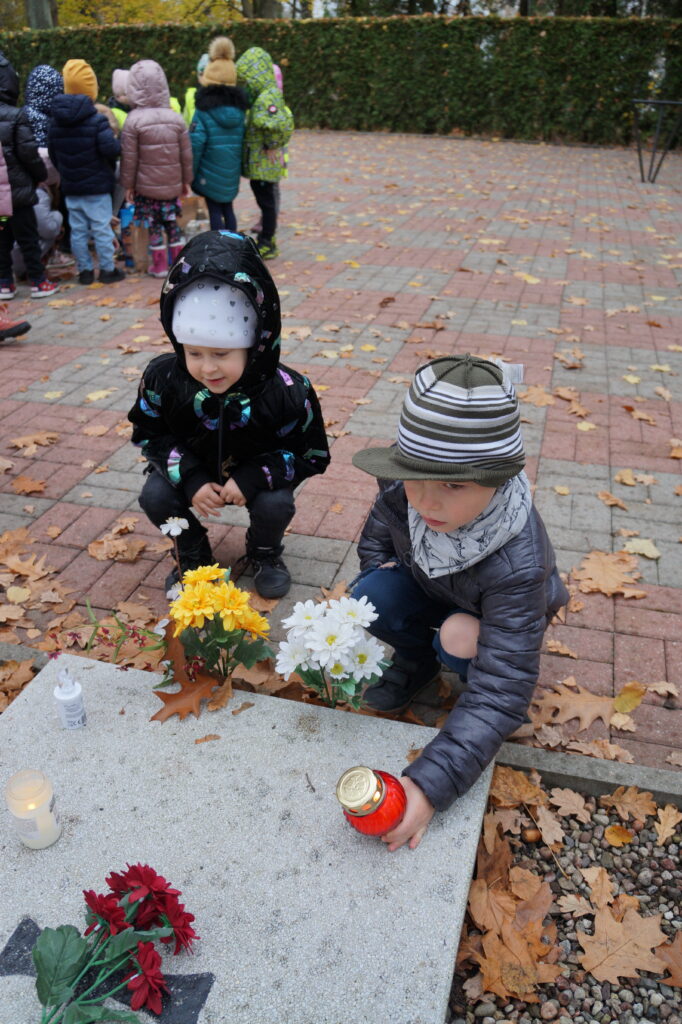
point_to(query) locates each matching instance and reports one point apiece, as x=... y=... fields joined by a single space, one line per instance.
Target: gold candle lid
x=359 y=790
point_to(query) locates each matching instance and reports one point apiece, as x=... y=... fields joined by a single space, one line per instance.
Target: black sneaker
x=111 y=276
x=86 y=277
x=270 y=575
x=402 y=681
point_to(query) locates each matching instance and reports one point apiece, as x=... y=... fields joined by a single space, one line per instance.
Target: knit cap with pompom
x=220 y=69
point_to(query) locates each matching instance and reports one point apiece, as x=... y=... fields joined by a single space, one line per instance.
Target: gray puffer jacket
x=516 y=590
x=156 y=153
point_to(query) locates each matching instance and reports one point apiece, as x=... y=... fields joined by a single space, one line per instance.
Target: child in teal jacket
x=269 y=126
x=217 y=133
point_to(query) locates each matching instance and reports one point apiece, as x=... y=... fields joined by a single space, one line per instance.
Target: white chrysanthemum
x=174 y=526
x=337 y=670
x=363 y=660
x=360 y=613
x=329 y=640
x=292 y=655
x=304 y=614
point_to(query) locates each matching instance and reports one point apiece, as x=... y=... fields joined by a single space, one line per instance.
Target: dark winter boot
x=270 y=575
x=402 y=681
x=191 y=557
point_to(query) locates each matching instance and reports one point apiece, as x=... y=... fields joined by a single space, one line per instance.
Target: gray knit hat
x=460 y=421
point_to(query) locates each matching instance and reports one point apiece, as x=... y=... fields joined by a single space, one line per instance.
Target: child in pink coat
x=156 y=161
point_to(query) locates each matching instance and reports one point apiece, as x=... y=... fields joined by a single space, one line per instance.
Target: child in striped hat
x=456 y=560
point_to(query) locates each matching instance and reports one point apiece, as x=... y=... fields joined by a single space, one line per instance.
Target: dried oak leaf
x=185 y=700
x=208 y=737
x=621 y=949
x=562 y=704
x=552 y=832
x=630 y=803
x=666 y=826
x=556 y=647
x=243 y=707
x=25 y=485
x=642 y=546
x=601 y=748
x=116 y=549
x=600 y=885
x=490 y=906
x=30 y=442
x=612 y=500
x=536 y=395
x=574 y=904
x=569 y=804
x=511 y=788
x=602 y=572
x=524 y=884
x=664 y=688
x=221 y=696
x=674 y=757
x=671 y=955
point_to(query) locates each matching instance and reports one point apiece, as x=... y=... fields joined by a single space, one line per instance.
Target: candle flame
x=30 y=807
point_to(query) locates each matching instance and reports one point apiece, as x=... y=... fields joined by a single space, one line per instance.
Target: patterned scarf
x=442 y=554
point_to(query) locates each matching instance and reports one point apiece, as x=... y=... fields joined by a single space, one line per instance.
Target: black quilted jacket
x=516 y=591
x=267 y=431
x=24 y=166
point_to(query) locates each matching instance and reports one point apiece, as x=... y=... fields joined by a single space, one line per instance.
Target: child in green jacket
x=269 y=126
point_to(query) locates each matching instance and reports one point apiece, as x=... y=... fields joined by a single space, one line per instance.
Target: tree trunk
x=39 y=14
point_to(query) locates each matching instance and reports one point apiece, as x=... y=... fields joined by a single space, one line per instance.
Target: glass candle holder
x=31 y=802
x=373 y=801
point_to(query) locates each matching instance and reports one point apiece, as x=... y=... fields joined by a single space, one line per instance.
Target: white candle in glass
x=31 y=802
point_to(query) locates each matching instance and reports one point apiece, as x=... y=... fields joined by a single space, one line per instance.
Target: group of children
x=138 y=150
x=454 y=556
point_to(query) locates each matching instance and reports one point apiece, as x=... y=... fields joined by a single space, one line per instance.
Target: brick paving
x=397 y=249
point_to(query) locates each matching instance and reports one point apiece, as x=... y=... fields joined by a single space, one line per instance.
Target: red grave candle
x=373 y=802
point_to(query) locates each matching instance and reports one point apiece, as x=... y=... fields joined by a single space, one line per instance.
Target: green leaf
x=129 y=938
x=59 y=955
x=76 y=1014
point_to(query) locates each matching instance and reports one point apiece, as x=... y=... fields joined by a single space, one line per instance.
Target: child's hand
x=207 y=501
x=130 y=195
x=416 y=821
x=231 y=494
x=273 y=156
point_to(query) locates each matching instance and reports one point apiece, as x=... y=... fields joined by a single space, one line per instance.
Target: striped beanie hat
x=460 y=421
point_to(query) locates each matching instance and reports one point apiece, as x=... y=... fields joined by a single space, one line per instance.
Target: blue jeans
x=91 y=216
x=409 y=620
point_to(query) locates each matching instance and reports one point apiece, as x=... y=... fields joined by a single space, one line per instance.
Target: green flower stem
x=101 y=977
x=87 y=1002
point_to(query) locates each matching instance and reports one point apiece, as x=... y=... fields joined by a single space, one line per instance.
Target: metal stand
x=654 y=167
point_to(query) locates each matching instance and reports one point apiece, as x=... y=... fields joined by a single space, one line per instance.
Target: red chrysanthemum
x=147 y=984
x=104 y=910
x=180 y=921
x=140 y=880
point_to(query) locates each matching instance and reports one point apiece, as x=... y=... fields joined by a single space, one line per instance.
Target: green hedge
x=569 y=79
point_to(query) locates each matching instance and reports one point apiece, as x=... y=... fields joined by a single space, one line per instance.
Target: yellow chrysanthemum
x=195 y=604
x=254 y=623
x=228 y=602
x=204 y=574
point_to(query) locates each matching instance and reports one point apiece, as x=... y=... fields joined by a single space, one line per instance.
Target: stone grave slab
x=302 y=920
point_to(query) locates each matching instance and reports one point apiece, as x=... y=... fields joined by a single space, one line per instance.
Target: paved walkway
x=396 y=249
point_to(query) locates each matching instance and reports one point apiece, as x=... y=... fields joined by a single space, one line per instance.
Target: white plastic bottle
x=68 y=697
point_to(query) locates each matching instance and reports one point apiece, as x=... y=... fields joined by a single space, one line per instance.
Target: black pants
x=221 y=215
x=270 y=513
x=265 y=194
x=22 y=229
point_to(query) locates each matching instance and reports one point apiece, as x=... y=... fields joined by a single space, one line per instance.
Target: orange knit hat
x=80 y=78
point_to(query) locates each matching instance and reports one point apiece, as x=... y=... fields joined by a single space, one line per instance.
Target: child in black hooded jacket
x=221 y=421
